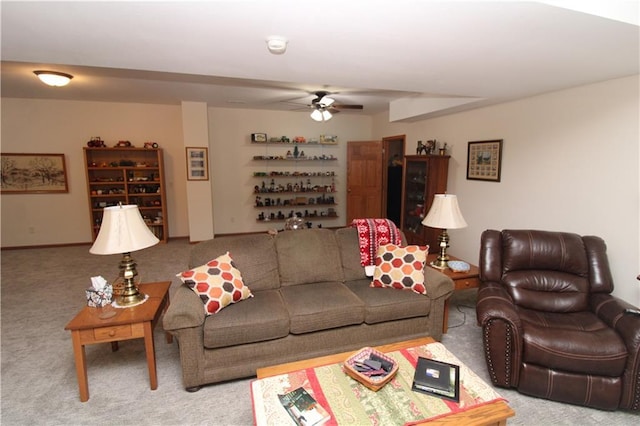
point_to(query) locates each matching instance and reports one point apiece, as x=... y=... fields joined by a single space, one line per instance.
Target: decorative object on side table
x=458 y=266
x=123 y=230
x=444 y=214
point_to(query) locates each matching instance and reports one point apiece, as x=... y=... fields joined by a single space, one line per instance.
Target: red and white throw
x=372 y=233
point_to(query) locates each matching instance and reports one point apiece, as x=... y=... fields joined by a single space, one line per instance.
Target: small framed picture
x=197 y=163
x=258 y=137
x=484 y=160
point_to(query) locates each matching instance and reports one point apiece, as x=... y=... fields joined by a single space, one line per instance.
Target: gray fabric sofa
x=311 y=298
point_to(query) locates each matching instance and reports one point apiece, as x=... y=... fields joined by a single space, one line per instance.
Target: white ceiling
x=424 y=57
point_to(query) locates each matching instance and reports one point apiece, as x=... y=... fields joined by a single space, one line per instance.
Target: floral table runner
x=350 y=402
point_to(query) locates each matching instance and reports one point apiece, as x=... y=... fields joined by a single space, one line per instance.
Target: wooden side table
x=461 y=281
x=88 y=328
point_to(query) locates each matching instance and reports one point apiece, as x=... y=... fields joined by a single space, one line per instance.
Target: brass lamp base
x=442 y=261
x=130 y=295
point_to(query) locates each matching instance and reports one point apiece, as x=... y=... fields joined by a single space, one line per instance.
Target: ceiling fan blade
x=341 y=106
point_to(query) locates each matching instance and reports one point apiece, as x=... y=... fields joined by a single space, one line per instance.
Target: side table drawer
x=464 y=283
x=110 y=333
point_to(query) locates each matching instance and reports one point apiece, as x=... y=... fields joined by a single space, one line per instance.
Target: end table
x=137 y=322
x=461 y=281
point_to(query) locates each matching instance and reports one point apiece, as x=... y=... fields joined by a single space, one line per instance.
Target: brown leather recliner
x=551 y=328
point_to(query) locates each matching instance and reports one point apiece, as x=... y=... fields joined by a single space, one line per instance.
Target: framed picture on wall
x=197 y=163
x=484 y=160
x=33 y=174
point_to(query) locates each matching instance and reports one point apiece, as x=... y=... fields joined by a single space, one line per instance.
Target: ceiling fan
x=324 y=106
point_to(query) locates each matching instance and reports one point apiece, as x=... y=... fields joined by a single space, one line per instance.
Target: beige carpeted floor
x=42 y=289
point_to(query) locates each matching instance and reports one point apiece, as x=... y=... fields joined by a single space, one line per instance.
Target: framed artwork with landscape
x=484 y=160
x=33 y=174
x=197 y=164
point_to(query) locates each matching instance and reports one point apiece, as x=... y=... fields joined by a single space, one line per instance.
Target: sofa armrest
x=185 y=311
x=437 y=284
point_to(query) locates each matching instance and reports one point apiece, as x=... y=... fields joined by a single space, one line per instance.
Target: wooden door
x=364 y=180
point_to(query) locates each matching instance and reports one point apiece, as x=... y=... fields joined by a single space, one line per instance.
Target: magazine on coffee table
x=437 y=378
x=303 y=408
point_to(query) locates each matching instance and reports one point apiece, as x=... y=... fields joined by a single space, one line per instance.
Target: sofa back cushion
x=308 y=256
x=350 y=253
x=254 y=256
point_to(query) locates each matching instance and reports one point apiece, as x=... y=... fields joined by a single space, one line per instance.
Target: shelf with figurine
x=329 y=213
x=294 y=174
x=297 y=201
x=297 y=187
x=261 y=139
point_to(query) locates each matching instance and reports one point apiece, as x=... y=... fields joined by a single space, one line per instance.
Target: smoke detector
x=277 y=45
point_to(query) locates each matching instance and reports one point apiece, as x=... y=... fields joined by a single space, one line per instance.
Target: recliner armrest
x=185 y=311
x=611 y=310
x=494 y=302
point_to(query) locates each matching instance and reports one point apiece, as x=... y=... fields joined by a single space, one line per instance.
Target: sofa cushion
x=386 y=304
x=320 y=306
x=263 y=317
x=400 y=267
x=218 y=283
x=253 y=254
x=308 y=256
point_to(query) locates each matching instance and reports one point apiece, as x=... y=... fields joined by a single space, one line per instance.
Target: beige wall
x=570 y=163
x=232 y=165
x=51 y=126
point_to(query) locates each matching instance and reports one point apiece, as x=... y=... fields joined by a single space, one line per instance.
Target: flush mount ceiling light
x=277 y=45
x=54 y=78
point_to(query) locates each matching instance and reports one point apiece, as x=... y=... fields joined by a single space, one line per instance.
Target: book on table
x=303 y=408
x=437 y=378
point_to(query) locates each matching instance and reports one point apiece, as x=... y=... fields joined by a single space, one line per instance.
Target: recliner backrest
x=543 y=270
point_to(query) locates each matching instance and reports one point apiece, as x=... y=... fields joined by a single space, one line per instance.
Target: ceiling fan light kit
x=321 y=114
x=53 y=78
x=277 y=45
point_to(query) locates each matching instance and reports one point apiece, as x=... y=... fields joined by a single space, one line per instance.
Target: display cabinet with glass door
x=423 y=177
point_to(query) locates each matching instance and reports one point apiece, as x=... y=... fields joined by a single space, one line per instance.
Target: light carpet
x=42 y=289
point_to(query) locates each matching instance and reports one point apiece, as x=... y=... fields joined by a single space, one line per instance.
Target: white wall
x=570 y=163
x=64 y=127
x=232 y=166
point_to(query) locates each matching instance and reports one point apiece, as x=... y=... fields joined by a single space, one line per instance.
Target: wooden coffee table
x=89 y=328
x=495 y=413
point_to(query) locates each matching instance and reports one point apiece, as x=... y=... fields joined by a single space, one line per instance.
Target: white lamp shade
x=122 y=231
x=444 y=213
x=326 y=115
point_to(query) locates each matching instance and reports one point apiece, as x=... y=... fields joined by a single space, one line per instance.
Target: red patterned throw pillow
x=400 y=267
x=218 y=283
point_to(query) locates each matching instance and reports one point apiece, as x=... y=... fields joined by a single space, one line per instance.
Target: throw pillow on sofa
x=218 y=283
x=400 y=267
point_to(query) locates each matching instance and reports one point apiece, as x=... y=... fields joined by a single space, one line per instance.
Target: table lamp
x=444 y=214
x=122 y=231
